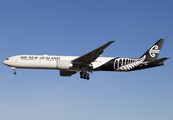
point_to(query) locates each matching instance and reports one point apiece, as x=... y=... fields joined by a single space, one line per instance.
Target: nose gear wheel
x=14 y=69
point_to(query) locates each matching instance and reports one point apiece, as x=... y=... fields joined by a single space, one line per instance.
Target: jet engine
x=64 y=64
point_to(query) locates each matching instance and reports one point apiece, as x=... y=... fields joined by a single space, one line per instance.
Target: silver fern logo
x=154 y=50
x=126 y=66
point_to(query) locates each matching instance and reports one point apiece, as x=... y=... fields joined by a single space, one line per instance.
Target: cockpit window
x=7 y=59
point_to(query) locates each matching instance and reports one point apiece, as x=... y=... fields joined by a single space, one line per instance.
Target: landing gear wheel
x=84 y=75
x=87 y=78
x=87 y=74
x=14 y=69
x=81 y=73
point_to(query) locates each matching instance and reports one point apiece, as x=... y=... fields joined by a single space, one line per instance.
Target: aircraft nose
x=5 y=62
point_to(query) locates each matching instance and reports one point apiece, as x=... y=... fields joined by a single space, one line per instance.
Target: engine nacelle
x=64 y=64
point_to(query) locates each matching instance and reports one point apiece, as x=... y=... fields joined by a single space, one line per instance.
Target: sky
x=74 y=28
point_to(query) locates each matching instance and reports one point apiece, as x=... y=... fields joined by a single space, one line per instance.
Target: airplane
x=90 y=62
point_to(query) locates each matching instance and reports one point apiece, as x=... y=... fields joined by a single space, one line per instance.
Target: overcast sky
x=74 y=28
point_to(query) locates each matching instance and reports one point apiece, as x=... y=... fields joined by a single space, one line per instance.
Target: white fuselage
x=48 y=62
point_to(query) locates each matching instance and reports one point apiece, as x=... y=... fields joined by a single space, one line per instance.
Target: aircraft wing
x=91 y=56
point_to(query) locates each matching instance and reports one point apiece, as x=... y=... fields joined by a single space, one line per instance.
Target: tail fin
x=154 y=51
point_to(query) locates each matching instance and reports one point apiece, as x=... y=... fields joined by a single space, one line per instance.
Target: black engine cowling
x=66 y=73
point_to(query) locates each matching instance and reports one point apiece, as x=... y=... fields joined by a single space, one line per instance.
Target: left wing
x=91 y=56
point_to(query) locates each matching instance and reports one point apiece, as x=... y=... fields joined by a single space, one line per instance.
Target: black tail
x=154 y=51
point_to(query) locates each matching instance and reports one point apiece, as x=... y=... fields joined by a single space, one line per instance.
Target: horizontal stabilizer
x=158 y=61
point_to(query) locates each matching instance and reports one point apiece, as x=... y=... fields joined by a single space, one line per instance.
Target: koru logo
x=154 y=50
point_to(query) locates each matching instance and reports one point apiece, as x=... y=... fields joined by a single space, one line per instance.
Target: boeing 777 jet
x=90 y=62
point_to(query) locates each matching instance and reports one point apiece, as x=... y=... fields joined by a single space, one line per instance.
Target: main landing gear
x=14 y=69
x=84 y=75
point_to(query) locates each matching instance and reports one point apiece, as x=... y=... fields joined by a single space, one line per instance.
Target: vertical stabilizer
x=154 y=51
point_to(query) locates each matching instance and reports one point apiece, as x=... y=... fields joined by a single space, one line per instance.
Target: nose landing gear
x=14 y=69
x=84 y=75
